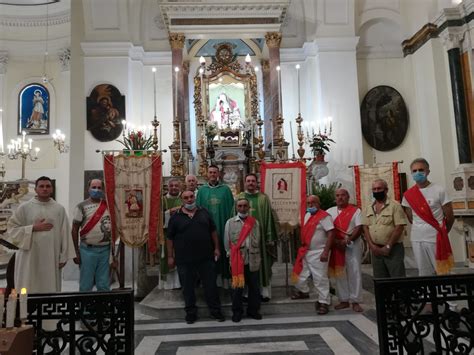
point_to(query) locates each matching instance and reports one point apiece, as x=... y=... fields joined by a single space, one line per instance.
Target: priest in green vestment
x=260 y=208
x=217 y=198
x=171 y=203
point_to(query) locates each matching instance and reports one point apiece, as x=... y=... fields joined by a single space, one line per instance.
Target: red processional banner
x=285 y=185
x=133 y=193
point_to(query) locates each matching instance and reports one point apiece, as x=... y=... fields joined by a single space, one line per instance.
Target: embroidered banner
x=285 y=185
x=133 y=190
x=365 y=176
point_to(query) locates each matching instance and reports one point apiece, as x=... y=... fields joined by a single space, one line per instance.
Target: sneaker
x=218 y=316
x=256 y=316
x=236 y=317
x=190 y=318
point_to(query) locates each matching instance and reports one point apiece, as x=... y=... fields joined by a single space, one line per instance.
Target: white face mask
x=242 y=215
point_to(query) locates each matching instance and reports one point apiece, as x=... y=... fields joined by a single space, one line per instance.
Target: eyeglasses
x=418 y=170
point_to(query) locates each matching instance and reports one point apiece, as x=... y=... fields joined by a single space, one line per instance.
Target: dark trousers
x=207 y=273
x=253 y=285
x=392 y=265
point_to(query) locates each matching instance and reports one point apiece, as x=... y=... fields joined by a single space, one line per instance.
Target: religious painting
x=33 y=109
x=134 y=203
x=384 y=118
x=227 y=103
x=281 y=184
x=105 y=112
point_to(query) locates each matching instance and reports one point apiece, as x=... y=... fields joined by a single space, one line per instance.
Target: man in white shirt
x=423 y=233
x=348 y=226
x=317 y=236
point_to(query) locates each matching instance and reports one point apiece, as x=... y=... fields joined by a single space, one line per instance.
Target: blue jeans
x=94 y=268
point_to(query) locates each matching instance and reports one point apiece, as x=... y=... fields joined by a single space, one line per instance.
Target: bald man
x=346 y=255
x=317 y=237
x=191 y=183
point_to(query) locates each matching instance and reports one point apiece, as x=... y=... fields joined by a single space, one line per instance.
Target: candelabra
x=177 y=163
x=20 y=149
x=59 y=141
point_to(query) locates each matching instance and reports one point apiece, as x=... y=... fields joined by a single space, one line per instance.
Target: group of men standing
x=214 y=235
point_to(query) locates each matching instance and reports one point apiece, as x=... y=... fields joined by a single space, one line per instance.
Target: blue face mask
x=190 y=206
x=312 y=210
x=419 y=176
x=96 y=194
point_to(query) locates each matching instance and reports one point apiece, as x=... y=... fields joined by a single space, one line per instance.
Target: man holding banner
x=217 y=198
x=317 y=238
x=346 y=255
x=430 y=211
x=91 y=222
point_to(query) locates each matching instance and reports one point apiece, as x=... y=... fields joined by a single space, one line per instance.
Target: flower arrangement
x=320 y=143
x=136 y=140
x=211 y=130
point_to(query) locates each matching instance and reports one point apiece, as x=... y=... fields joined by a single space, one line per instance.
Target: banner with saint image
x=133 y=192
x=285 y=185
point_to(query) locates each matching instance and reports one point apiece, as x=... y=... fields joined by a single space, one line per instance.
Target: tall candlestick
x=279 y=89
x=251 y=138
x=180 y=143
x=154 y=90
x=299 y=97
x=176 y=70
x=11 y=310
x=273 y=140
x=23 y=304
x=292 y=143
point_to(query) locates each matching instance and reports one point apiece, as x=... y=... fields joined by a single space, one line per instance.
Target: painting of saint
x=134 y=203
x=33 y=109
x=227 y=103
x=105 y=112
x=225 y=112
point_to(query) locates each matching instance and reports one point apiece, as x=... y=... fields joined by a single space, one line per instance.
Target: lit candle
x=154 y=90
x=11 y=309
x=279 y=89
x=299 y=97
x=23 y=138
x=36 y=151
x=23 y=304
x=176 y=71
x=30 y=142
x=292 y=143
x=180 y=143
x=2 y=306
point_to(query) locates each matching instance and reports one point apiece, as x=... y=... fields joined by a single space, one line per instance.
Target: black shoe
x=256 y=316
x=265 y=299
x=190 y=318
x=236 y=317
x=218 y=316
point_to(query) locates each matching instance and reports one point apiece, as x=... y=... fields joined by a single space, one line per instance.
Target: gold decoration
x=176 y=40
x=177 y=161
x=300 y=136
x=273 y=39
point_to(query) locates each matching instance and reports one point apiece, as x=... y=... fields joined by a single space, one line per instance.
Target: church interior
x=333 y=85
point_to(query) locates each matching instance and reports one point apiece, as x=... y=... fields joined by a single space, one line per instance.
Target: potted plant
x=136 y=141
x=326 y=193
x=320 y=145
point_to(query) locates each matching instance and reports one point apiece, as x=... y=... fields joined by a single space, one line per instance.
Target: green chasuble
x=219 y=201
x=260 y=208
x=168 y=203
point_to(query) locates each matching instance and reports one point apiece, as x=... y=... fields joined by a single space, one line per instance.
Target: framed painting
x=33 y=109
x=105 y=112
x=384 y=117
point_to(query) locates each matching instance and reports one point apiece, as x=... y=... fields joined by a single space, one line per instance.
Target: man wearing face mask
x=193 y=247
x=317 y=238
x=242 y=244
x=383 y=224
x=430 y=211
x=91 y=223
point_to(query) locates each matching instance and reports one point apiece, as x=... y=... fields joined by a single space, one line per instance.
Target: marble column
x=3 y=70
x=273 y=41
x=452 y=42
x=267 y=101
x=177 y=44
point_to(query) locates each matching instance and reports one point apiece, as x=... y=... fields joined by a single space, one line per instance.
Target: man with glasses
x=91 y=222
x=430 y=211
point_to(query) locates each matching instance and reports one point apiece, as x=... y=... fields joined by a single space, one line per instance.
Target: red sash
x=444 y=254
x=99 y=212
x=337 y=261
x=307 y=233
x=237 y=261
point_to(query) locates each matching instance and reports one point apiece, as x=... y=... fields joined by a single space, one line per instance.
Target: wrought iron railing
x=82 y=323
x=408 y=325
